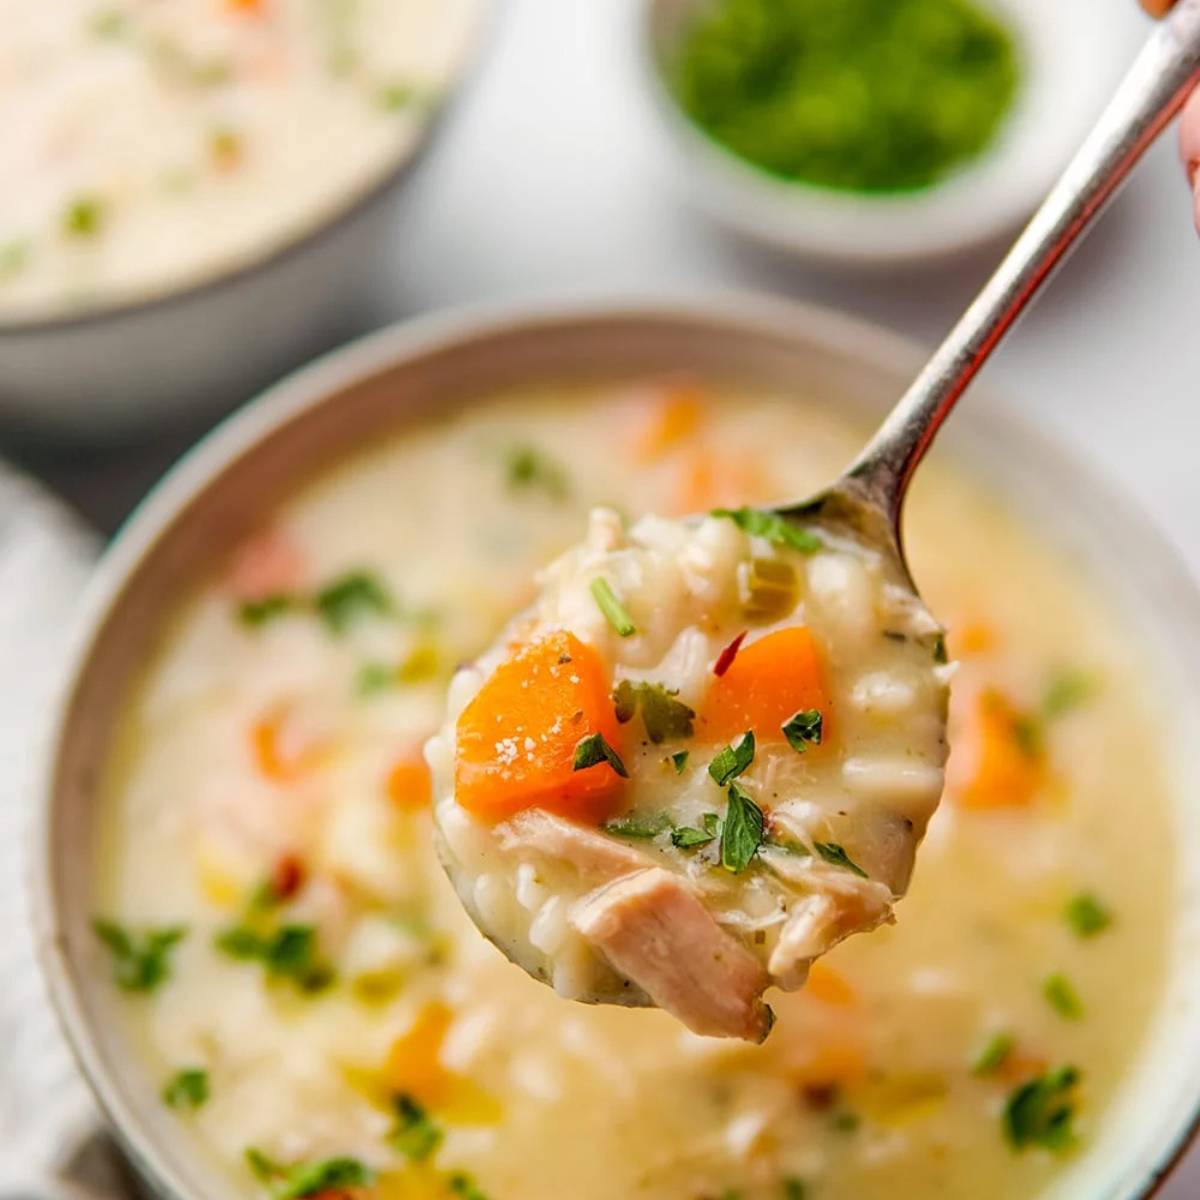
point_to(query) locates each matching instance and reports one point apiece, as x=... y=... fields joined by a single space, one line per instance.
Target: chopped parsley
x=298 y=1180
x=141 y=961
x=267 y=608
x=634 y=826
x=83 y=217
x=733 y=760
x=833 y=854
x=186 y=1089
x=289 y=954
x=463 y=1186
x=614 y=611
x=342 y=602
x=1087 y=916
x=415 y=1135
x=759 y=522
x=528 y=468
x=592 y=750
x=804 y=729
x=993 y=1054
x=1040 y=1112
x=1062 y=997
x=1067 y=691
x=741 y=832
x=688 y=837
x=679 y=761
x=375 y=677
x=663 y=716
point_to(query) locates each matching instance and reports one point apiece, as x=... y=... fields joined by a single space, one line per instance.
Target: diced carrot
x=409 y=786
x=268 y=564
x=675 y=412
x=247 y=6
x=414 y=1061
x=517 y=738
x=828 y=986
x=838 y=1057
x=277 y=755
x=976 y=638
x=996 y=761
x=770 y=680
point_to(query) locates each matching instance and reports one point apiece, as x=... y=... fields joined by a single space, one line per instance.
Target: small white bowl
x=1072 y=52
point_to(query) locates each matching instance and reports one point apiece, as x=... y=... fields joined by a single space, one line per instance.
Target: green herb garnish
x=108 y=23
x=375 y=677
x=663 y=715
x=186 y=1089
x=259 y=612
x=733 y=760
x=635 y=826
x=1087 y=916
x=778 y=530
x=347 y=598
x=14 y=256
x=592 y=750
x=415 y=1135
x=462 y=1185
x=614 y=611
x=993 y=1054
x=688 y=837
x=395 y=97
x=794 y=1189
x=833 y=854
x=741 y=832
x=1062 y=997
x=83 y=217
x=679 y=760
x=298 y=1180
x=528 y=468
x=141 y=961
x=804 y=729
x=1067 y=691
x=1040 y=1112
x=290 y=953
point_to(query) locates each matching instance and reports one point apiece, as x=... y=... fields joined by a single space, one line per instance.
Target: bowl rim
x=735 y=313
x=397 y=167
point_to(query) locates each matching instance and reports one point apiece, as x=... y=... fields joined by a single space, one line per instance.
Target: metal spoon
x=870 y=494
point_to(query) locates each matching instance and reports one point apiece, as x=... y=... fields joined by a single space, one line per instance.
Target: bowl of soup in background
x=225 y=216
x=1067 y=63
x=406 y=380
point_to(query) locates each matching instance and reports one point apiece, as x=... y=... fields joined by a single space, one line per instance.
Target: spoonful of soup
x=709 y=750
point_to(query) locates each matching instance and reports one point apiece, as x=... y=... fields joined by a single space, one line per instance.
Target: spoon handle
x=1152 y=92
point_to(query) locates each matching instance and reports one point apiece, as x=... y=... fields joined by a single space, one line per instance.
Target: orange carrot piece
x=770 y=680
x=828 y=986
x=708 y=482
x=414 y=1061
x=267 y=564
x=676 y=413
x=995 y=764
x=274 y=757
x=409 y=786
x=517 y=738
x=977 y=638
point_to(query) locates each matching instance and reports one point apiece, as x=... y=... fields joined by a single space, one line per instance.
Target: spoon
x=659 y=923
x=870 y=493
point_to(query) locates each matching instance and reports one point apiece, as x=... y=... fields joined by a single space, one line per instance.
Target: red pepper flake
x=287 y=877
x=726 y=657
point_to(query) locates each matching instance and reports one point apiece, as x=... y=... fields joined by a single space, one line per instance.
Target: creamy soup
x=149 y=145
x=702 y=758
x=314 y=1007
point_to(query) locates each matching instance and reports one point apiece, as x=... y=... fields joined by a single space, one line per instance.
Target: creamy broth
x=268 y=775
x=148 y=146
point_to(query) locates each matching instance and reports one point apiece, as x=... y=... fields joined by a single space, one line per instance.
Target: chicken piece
x=594 y=856
x=655 y=930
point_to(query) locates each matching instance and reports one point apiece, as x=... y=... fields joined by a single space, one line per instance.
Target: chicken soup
x=313 y=1005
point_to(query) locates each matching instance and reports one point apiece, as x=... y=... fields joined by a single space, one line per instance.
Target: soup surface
x=150 y=145
x=314 y=1006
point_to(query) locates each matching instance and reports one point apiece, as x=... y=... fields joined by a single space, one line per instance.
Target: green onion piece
x=774 y=528
x=614 y=611
x=1063 y=997
x=767 y=588
x=663 y=716
x=298 y=1180
x=1087 y=916
x=186 y=1089
x=733 y=760
x=832 y=853
x=993 y=1054
x=592 y=750
x=527 y=468
x=742 y=831
x=141 y=961
x=1040 y=1112
x=803 y=729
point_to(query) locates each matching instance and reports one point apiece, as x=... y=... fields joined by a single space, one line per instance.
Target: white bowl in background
x=1071 y=54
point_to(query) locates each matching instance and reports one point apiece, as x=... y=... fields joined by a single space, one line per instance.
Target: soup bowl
x=355 y=396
